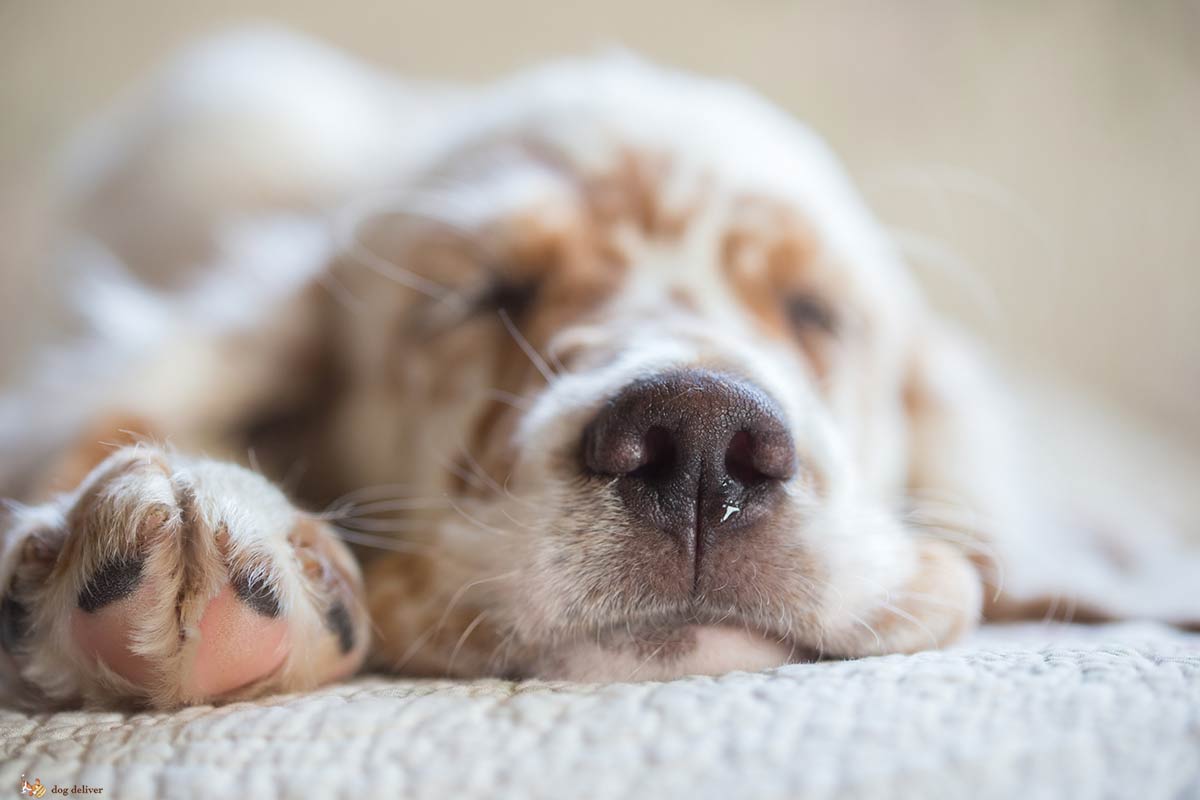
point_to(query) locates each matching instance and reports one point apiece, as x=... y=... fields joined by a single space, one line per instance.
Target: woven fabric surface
x=1030 y=711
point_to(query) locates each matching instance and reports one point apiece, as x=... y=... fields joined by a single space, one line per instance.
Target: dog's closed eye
x=503 y=293
x=493 y=292
x=809 y=313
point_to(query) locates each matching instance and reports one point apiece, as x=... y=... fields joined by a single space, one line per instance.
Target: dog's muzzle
x=695 y=454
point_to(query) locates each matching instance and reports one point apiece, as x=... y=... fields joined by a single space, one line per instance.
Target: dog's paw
x=166 y=581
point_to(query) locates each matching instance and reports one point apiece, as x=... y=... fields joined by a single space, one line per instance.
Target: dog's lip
x=696 y=646
x=665 y=628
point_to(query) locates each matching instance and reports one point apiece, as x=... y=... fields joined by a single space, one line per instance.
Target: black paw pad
x=337 y=619
x=254 y=591
x=14 y=624
x=114 y=580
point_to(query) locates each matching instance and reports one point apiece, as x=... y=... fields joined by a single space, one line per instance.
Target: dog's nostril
x=611 y=448
x=753 y=459
x=658 y=455
x=739 y=459
x=616 y=456
x=772 y=456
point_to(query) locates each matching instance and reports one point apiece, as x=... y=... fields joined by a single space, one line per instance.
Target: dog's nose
x=694 y=452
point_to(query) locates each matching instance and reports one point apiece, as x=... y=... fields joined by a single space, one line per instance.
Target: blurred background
x=1040 y=162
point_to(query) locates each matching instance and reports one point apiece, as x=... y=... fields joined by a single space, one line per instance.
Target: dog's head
x=646 y=368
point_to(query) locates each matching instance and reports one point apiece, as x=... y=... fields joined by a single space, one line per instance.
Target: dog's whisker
x=860 y=621
x=466 y=476
x=899 y=612
x=483 y=475
x=528 y=349
x=294 y=475
x=517 y=401
x=401 y=504
x=992 y=561
x=477 y=469
x=477 y=523
x=495 y=661
x=462 y=640
x=383 y=542
x=653 y=654
x=554 y=361
x=434 y=629
x=346 y=227
x=388 y=490
x=329 y=281
x=385 y=525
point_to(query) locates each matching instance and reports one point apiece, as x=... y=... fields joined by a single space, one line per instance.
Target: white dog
x=605 y=370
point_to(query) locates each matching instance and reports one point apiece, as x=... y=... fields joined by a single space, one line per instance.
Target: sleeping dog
x=600 y=373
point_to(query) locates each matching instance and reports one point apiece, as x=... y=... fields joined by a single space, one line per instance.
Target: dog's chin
x=688 y=650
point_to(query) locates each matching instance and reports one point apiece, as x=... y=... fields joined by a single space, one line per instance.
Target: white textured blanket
x=1030 y=711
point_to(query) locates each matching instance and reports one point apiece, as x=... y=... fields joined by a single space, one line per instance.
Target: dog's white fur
x=261 y=164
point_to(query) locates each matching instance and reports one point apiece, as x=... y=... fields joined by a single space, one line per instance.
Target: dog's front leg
x=164 y=580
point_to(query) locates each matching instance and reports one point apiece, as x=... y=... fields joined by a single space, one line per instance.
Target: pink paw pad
x=241 y=636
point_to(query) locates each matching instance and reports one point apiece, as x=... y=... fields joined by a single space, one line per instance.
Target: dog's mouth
x=664 y=628
x=662 y=646
x=669 y=648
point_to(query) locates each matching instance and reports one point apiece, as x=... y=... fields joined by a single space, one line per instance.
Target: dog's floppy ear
x=1043 y=497
x=961 y=465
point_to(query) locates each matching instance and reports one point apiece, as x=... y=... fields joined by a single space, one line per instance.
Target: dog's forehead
x=647 y=135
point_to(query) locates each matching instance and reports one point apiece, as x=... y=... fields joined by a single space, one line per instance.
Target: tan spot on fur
x=769 y=256
x=87 y=508
x=423 y=630
x=684 y=299
x=403 y=575
x=1044 y=609
x=632 y=193
x=337 y=567
x=765 y=256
